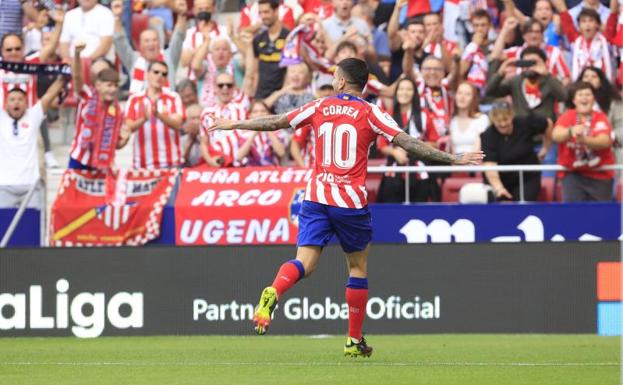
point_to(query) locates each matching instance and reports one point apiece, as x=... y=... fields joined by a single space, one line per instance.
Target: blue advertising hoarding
x=534 y=222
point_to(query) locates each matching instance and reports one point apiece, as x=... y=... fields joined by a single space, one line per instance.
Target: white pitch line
x=358 y=363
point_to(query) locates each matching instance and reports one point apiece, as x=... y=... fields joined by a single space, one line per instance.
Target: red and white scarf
x=138 y=81
x=477 y=74
x=439 y=106
x=102 y=123
x=594 y=53
x=532 y=93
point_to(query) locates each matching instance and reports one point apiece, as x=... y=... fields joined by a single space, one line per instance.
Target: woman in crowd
x=585 y=142
x=261 y=148
x=508 y=141
x=609 y=102
x=418 y=123
x=468 y=122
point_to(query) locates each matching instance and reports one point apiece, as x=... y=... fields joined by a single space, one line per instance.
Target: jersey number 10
x=333 y=143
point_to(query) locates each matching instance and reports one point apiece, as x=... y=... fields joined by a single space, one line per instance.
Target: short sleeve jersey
x=344 y=127
x=570 y=151
x=268 y=53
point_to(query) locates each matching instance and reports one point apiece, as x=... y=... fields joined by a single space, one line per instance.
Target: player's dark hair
x=355 y=71
x=274 y=4
x=416 y=109
x=533 y=51
x=153 y=63
x=480 y=14
x=107 y=75
x=345 y=45
x=527 y=26
x=606 y=92
x=575 y=88
x=591 y=13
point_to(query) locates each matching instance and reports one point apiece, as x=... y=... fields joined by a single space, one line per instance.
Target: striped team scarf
x=596 y=53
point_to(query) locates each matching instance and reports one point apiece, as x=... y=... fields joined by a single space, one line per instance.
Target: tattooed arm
x=265 y=123
x=423 y=151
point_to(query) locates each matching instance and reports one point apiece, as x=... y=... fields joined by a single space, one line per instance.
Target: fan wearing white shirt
x=19 y=129
x=92 y=24
x=468 y=122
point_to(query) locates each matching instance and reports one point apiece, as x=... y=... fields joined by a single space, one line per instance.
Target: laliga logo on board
x=86 y=324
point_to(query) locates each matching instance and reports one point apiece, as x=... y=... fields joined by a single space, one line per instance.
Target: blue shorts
x=318 y=223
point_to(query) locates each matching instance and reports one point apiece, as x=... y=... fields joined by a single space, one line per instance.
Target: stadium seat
x=452 y=186
x=547 y=189
x=373 y=182
x=140 y=22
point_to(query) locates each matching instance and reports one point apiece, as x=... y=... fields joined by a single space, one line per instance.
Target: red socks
x=289 y=273
x=357 y=300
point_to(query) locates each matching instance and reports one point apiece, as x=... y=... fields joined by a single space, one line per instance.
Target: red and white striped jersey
x=555 y=61
x=344 y=128
x=438 y=103
x=157 y=145
x=28 y=83
x=304 y=136
x=223 y=143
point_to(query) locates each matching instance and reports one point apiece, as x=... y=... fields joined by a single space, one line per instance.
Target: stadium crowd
x=528 y=82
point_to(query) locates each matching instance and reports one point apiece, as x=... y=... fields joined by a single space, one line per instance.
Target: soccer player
x=335 y=200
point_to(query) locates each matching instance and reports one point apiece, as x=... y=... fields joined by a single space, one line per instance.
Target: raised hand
x=79 y=47
x=57 y=15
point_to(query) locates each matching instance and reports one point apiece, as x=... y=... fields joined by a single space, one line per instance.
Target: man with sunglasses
x=219 y=148
x=19 y=128
x=12 y=50
x=156 y=114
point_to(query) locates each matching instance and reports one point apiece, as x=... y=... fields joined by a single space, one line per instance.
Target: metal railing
x=500 y=168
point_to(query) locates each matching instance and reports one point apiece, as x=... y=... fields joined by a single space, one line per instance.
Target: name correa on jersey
x=344 y=128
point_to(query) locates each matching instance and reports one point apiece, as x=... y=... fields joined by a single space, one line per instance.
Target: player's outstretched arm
x=265 y=123
x=423 y=151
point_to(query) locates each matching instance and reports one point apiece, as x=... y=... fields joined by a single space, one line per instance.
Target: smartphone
x=524 y=63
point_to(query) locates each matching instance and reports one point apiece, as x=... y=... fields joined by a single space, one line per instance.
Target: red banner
x=249 y=206
x=95 y=209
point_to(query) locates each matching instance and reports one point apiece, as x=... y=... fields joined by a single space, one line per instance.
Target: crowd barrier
x=260 y=206
x=549 y=287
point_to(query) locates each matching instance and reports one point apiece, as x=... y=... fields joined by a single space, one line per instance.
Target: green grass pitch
x=275 y=360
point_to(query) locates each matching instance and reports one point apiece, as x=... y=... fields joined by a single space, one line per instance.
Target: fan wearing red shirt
x=335 y=200
x=585 y=142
